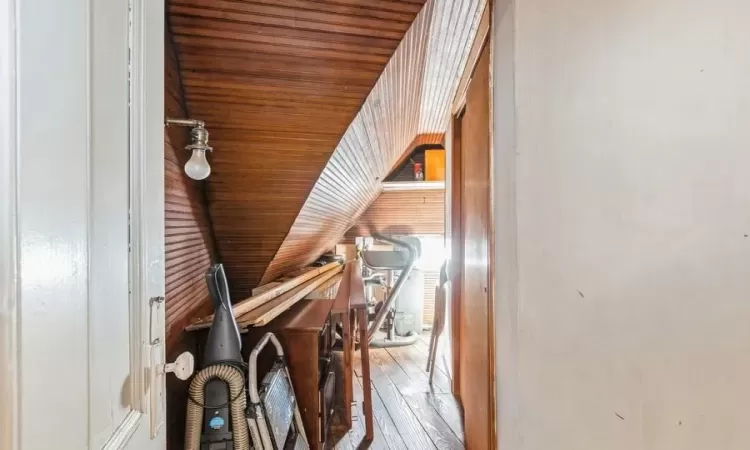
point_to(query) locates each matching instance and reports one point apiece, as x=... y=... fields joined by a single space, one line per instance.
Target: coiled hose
x=193 y=424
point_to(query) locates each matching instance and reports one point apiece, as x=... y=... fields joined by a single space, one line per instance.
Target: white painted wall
x=622 y=168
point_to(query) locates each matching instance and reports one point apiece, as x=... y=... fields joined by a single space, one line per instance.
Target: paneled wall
x=406 y=212
x=278 y=83
x=188 y=236
x=402 y=212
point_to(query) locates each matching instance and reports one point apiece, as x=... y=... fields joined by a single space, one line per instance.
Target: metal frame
x=259 y=432
x=184 y=122
x=413 y=258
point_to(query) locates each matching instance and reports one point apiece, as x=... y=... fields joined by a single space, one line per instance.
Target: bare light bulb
x=197 y=166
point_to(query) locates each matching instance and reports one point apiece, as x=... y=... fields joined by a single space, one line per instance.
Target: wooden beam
x=266 y=287
x=269 y=311
x=327 y=290
x=266 y=296
x=254 y=302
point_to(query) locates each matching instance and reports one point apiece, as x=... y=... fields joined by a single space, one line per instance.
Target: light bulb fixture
x=197 y=166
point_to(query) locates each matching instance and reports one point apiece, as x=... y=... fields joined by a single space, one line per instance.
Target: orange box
x=434 y=161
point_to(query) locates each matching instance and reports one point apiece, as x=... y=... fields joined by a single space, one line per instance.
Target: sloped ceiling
x=281 y=85
x=277 y=82
x=412 y=98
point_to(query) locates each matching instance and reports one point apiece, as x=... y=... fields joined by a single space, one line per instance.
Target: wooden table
x=351 y=305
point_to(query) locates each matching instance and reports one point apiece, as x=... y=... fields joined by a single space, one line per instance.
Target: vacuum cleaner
x=217 y=415
x=217 y=397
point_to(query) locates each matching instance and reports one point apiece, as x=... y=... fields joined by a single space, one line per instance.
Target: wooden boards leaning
x=254 y=302
x=327 y=290
x=269 y=311
x=249 y=304
x=261 y=289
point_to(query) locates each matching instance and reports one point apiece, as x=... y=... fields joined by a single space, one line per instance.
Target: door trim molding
x=9 y=295
x=475 y=52
x=147 y=209
x=490 y=42
x=458 y=107
x=147 y=141
x=138 y=242
x=122 y=435
x=456 y=243
x=458 y=240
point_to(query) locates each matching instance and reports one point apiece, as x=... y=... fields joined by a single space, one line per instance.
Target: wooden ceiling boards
x=309 y=104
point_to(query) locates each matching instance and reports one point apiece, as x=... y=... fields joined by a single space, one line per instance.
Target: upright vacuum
x=217 y=414
x=217 y=397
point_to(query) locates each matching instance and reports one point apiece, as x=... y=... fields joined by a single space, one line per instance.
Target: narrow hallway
x=408 y=413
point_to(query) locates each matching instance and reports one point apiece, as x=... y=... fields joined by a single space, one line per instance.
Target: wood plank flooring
x=409 y=414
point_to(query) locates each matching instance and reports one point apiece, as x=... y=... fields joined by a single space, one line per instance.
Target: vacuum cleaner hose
x=234 y=379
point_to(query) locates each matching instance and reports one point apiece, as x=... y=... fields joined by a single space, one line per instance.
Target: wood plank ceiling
x=281 y=85
x=413 y=97
x=277 y=82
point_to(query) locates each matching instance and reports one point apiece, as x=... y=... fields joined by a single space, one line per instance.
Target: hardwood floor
x=409 y=414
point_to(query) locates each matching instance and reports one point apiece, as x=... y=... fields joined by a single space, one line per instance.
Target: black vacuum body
x=222 y=348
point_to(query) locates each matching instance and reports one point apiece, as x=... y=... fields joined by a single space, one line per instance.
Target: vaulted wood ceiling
x=282 y=86
x=277 y=82
x=411 y=100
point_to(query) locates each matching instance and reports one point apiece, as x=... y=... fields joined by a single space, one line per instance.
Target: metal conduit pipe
x=413 y=258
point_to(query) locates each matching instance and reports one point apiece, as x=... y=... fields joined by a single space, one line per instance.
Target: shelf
x=390 y=186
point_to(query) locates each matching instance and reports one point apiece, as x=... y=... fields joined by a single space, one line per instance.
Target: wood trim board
x=9 y=343
x=471 y=231
x=267 y=295
x=269 y=311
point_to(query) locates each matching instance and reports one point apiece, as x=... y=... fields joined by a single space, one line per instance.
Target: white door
x=81 y=114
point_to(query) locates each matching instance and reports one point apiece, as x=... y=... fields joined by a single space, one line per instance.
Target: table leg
x=366 y=383
x=348 y=369
x=353 y=334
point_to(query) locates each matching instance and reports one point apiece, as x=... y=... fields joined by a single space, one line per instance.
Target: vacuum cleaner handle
x=218 y=287
x=252 y=364
x=224 y=343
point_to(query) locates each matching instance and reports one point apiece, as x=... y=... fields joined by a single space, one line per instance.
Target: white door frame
x=147 y=225
x=147 y=205
x=9 y=431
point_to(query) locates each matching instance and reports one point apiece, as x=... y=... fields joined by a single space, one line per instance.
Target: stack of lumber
x=271 y=300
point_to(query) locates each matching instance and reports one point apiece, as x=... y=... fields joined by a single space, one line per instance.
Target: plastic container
x=434 y=165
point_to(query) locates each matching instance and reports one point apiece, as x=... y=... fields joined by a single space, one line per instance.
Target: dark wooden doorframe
x=482 y=436
x=457 y=250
